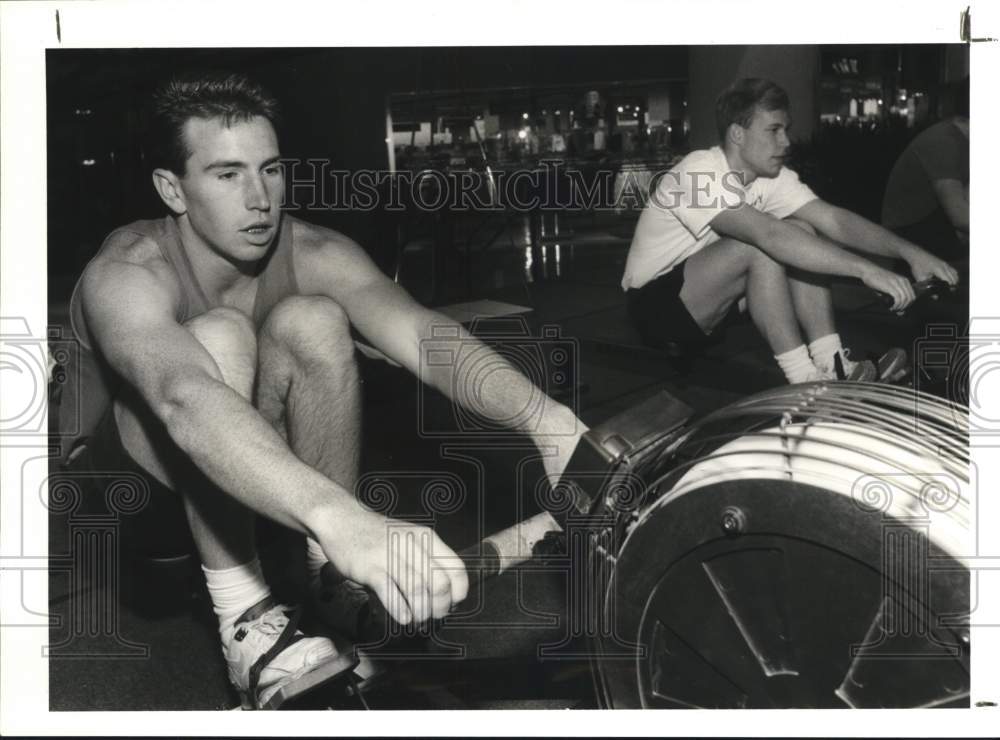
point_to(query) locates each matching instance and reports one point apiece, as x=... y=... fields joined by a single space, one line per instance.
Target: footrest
x=340 y=666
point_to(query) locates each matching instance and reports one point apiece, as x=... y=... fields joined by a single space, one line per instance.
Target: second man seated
x=733 y=222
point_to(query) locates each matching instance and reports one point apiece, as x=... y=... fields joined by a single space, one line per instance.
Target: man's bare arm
x=131 y=319
x=954 y=199
x=793 y=246
x=412 y=336
x=855 y=231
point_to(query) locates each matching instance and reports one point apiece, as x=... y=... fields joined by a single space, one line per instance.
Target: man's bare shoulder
x=128 y=260
x=328 y=262
x=312 y=239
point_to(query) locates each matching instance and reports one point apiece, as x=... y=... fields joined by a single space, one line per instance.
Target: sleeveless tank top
x=93 y=384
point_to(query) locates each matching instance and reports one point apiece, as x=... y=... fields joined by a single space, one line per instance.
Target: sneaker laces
x=844 y=368
x=817 y=375
x=269 y=624
x=270 y=631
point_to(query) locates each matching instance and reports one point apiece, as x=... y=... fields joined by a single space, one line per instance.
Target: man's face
x=233 y=185
x=765 y=142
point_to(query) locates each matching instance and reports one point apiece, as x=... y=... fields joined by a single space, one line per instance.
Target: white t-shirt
x=676 y=222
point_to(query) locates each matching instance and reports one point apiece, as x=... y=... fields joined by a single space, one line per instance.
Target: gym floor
x=140 y=634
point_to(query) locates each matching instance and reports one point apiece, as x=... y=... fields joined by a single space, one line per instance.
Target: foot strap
x=838 y=366
x=286 y=638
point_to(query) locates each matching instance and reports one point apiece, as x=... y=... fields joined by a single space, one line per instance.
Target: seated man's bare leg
x=308 y=387
x=811 y=296
x=251 y=623
x=222 y=528
x=813 y=304
x=726 y=270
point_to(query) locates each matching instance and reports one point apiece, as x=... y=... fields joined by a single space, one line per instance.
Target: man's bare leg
x=250 y=621
x=308 y=388
x=813 y=303
x=722 y=272
x=222 y=528
x=811 y=296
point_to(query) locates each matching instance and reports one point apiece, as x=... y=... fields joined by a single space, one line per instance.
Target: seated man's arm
x=790 y=245
x=855 y=231
x=412 y=336
x=954 y=199
x=131 y=316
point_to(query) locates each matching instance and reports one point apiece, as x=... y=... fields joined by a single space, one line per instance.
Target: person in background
x=732 y=222
x=927 y=196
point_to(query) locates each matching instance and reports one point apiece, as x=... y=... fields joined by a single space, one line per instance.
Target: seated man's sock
x=234 y=590
x=824 y=352
x=797 y=365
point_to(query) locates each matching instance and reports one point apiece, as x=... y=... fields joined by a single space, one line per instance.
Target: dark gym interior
x=142 y=635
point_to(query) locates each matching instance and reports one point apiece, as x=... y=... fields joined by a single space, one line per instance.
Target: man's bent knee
x=309 y=322
x=229 y=338
x=224 y=328
x=726 y=253
x=804 y=225
x=758 y=259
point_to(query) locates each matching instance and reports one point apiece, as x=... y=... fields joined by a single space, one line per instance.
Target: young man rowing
x=218 y=362
x=733 y=222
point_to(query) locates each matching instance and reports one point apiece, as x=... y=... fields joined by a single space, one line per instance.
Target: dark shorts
x=659 y=315
x=158 y=529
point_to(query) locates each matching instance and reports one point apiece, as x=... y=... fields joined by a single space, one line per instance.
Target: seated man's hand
x=925 y=265
x=895 y=286
x=415 y=575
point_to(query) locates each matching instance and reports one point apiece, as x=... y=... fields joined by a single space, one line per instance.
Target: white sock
x=823 y=349
x=234 y=590
x=796 y=365
x=315 y=560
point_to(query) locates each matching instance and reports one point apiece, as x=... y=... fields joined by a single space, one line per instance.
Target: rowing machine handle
x=357 y=612
x=360 y=614
x=933 y=287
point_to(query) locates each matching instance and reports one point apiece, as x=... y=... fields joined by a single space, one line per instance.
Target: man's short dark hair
x=737 y=103
x=229 y=96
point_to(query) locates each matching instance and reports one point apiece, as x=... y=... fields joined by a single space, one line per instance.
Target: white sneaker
x=344 y=606
x=816 y=375
x=266 y=653
x=893 y=366
x=843 y=368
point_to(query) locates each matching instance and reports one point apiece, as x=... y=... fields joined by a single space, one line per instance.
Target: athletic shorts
x=660 y=316
x=159 y=529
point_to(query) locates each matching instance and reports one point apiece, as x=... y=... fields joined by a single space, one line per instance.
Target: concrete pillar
x=658 y=106
x=712 y=68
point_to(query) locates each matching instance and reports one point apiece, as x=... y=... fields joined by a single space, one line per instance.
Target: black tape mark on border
x=965 y=28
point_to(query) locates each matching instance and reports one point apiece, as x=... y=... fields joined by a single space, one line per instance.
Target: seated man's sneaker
x=342 y=606
x=863 y=371
x=270 y=660
x=816 y=375
x=893 y=366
